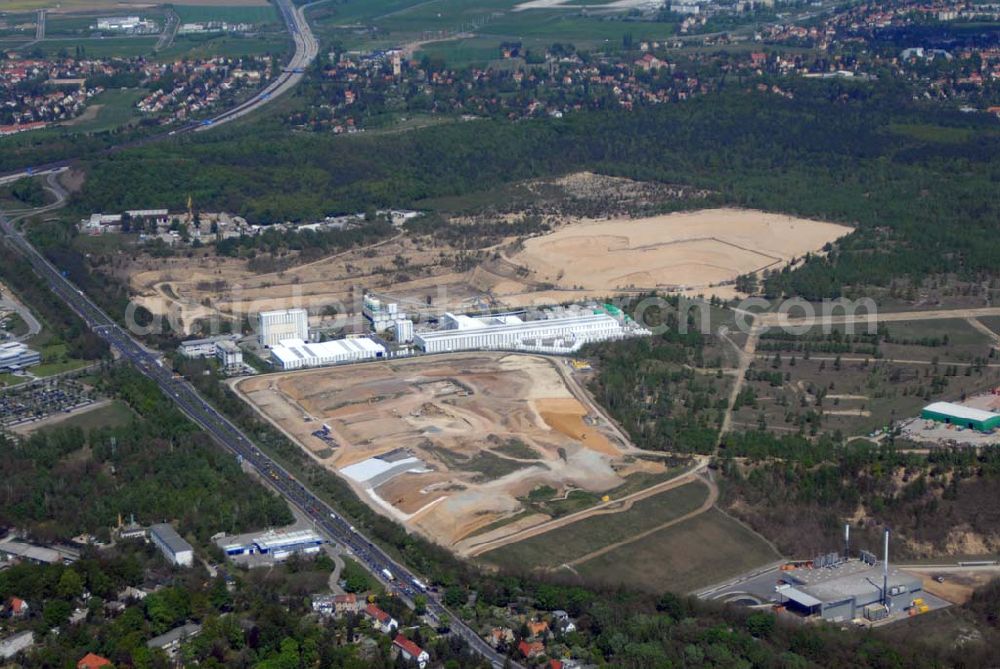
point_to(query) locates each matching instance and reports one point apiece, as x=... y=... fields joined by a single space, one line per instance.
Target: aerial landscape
x=499 y=333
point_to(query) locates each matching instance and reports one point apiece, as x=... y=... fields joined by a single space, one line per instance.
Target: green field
x=207 y=46
x=707 y=549
x=115 y=414
x=572 y=541
x=93 y=47
x=260 y=15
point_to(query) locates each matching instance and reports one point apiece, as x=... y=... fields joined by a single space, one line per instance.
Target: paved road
x=199 y=410
x=169 y=31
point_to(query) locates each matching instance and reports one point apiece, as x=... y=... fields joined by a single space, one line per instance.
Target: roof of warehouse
x=296 y=349
x=960 y=411
x=278 y=539
x=168 y=535
x=525 y=325
x=799 y=597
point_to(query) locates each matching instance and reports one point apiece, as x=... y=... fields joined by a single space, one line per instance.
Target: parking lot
x=35 y=401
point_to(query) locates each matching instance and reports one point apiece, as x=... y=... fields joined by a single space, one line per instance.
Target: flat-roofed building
x=273 y=326
x=560 y=334
x=297 y=354
x=172 y=545
x=958 y=414
x=15 y=356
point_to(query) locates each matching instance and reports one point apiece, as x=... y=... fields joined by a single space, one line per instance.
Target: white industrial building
x=404 y=331
x=15 y=355
x=297 y=353
x=273 y=326
x=381 y=315
x=558 y=334
x=276 y=545
x=229 y=354
x=172 y=545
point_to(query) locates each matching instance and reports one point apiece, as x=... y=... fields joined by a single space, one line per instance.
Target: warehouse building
x=847 y=590
x=15 y=356
x=275 y=545
x=273 y=326
x=172 y=545
x=297 y=354
x=558 y=334
x=956 y=414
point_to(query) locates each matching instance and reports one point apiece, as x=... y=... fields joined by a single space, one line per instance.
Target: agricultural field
x=68 y=6
x=563 y=545
x=452 y=445
x=696 y=553
x=464 y=32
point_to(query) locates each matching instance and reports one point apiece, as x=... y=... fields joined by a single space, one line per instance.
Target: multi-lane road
x=199 y=410
x=403 y=582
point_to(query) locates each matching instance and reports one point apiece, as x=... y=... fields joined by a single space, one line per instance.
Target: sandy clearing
x=680 y=250
x=456 y=413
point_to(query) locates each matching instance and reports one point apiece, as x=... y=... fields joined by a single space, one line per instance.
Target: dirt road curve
x=613 y=506
x=713 y=497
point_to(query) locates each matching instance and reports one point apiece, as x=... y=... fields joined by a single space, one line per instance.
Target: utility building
x=847 y=590
x=957 y=414
x=273 y=326
x=172 y=545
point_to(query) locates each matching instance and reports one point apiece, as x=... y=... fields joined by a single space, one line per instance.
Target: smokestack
x=847 y=541
x=885 y=571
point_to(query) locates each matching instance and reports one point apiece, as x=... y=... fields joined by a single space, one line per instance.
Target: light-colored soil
x=699 y=252
x=454 y=413
x=682 y=250
x=958 y=586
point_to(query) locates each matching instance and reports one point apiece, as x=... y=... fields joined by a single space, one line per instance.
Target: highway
x=233 y=439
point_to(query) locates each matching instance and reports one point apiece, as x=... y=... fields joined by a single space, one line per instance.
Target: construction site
x=698 y=252
x=456 y=446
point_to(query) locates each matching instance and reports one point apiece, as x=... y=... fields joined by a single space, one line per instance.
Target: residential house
x=530 y=649
x=17 y=607
x=381 y=620
x=171 y=641
x=344 y=604
x=537 y=629
x=499 y=635
x=411 y=651
x=92 y=661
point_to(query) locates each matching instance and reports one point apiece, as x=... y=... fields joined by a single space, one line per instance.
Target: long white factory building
x=559 y=334
x=297 y=354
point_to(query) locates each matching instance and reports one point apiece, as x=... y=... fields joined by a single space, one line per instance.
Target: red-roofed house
x=538 y=628
x=554 y=664
x=348 y=603
x=531 y=649
x=18 y=607
x=91 y=661
x=382 y=621
x=411 y=651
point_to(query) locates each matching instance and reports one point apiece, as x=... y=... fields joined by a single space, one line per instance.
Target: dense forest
x=922 y=204
x=62 y=482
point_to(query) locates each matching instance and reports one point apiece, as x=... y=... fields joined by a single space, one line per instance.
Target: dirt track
x=614 y=506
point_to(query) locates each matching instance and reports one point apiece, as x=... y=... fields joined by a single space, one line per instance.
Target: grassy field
x=115 y=108
x=567 y=543
x=707 y=549
x=207 y=46
x=260 y=15
x=93 y=47
x=7 y=380
x=115 y=414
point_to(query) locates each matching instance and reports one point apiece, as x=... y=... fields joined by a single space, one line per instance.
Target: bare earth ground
x=698 y=252
x=488 y=428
